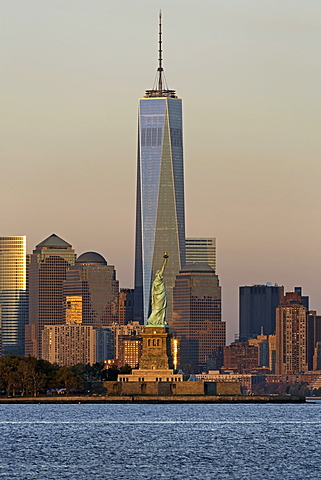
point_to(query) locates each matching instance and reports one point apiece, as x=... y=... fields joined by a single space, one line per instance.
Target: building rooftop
x=53 y=242
x=197 y=267
x=91 y=258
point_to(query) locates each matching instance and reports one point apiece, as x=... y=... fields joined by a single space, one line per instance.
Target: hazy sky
x=249 y=74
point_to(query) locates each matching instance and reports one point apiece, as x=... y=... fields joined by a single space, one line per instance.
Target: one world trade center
x=160 y=215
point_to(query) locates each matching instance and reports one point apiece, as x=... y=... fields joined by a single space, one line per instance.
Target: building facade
x=257 y=310
x=13 y=295
x=291 y=335
x=160 y=216
x=197 y=321
x=105 y=344
x=69 y=344
x=125 y=306
x=201 y=250
x=92 y=287
x=47 y=272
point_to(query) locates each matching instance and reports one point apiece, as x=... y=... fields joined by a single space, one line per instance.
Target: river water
x=114 y=442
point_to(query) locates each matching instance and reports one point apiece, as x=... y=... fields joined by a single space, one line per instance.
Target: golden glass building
x=13 y=295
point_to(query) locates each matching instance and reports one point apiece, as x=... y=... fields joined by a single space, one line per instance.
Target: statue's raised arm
x=159 y=300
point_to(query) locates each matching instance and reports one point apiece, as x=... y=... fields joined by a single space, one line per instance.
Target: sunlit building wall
x=291 y=335
x=13 y=294
x=93 y=281
x=69 y=344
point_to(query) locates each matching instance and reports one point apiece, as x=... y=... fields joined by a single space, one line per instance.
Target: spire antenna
x=160 y=60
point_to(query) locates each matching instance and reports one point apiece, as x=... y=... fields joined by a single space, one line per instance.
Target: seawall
x=154 y=399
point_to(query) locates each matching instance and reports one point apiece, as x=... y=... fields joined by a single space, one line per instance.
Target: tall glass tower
x=160 y=215
x=13 y=295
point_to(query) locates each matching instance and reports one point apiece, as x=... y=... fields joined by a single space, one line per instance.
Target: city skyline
x=250 y=84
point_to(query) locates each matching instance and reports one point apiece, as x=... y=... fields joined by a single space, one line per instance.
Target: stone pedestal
x=156 y=349
x=156 y=363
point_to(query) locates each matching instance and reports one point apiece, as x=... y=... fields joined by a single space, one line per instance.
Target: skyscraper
x=160 y=215
x=13 y=295
x=197 y=315
x=91 y=284
x=258 y=310
x=201 y=250
x=291 y=335
x=47 y=272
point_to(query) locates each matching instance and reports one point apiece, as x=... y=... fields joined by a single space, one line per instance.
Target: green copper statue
x=159 y=301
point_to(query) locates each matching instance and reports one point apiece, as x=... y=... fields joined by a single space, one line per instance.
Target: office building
x=125 y=306
x=160 y=217
x=69 y=344
x=291 y=335
x=197 y=316
x=92 y=287
x=47 y=272
x=201 y=250
x=13 y=295
x=257 y=310
x=313 y=336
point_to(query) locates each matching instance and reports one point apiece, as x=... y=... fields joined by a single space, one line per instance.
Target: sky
x=249 y=74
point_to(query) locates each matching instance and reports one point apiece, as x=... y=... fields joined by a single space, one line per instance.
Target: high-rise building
x=125 y=306
x=69 y=344
x=313 y=335
x=201 y=250
x=47 y=271
x=258 y=309
x=105 y=344
x=291 y=335
x=13 y=295
x=160 y=216
x=197 y=316
x=91 y=286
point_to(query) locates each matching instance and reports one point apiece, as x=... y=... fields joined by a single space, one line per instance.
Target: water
x=239 y=442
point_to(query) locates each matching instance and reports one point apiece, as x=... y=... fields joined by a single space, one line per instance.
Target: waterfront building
x=13 y=295
x=124 y=333
x=47 y=271
x=197 y=321
x=257 y=310
x=92 y=288
x=69 y=344
x=160 y=216
x=201 y=250
x=291 y=335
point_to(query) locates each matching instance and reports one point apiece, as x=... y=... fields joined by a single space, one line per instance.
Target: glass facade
x=13 y=294
x=160 y=216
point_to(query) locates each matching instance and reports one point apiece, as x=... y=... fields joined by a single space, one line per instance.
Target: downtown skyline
x=249 y=79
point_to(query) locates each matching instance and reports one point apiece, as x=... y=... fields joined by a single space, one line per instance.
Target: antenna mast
x=160 y=67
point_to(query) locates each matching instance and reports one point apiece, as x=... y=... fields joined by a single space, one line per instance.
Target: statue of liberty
x=159 y=300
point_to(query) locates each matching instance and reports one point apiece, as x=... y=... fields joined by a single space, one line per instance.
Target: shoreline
x=157 y=399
